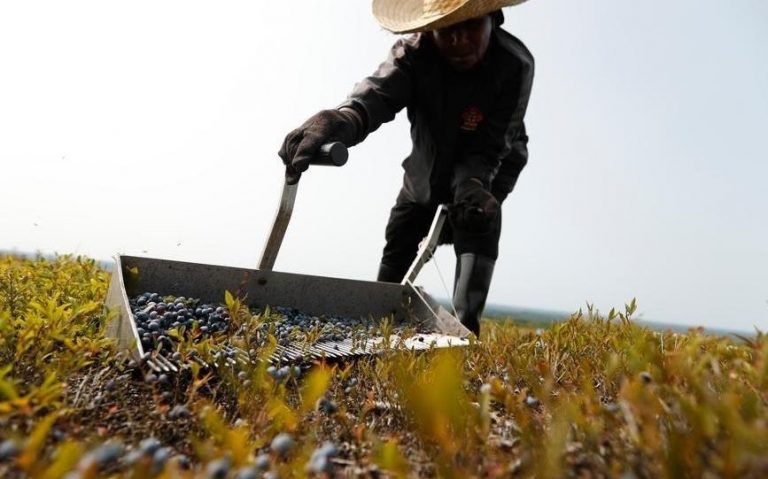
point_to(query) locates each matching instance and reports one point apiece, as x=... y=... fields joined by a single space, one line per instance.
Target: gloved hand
x=474 y=208
x=499 y=193
x=302 y=144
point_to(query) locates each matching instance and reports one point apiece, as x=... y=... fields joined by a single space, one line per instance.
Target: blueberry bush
x=594 y=396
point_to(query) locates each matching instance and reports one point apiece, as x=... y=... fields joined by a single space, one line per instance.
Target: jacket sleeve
x=511 y=166
x=497 y=150
x=388 y=90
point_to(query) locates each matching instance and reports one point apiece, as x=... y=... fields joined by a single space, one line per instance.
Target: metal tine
x=345 y=346
x=161 y=364
x=279 y=350
x=165 y=361
x=240 y=351
x=328 y=349
x=319 y=354
x=276 y=356
x=280 y=353
x=346 y=352
x=201 y=362
x=334 y=346
x=240 y=354
x=295 y=352
x=292 y=353
x=154 y=366
x=346 y=349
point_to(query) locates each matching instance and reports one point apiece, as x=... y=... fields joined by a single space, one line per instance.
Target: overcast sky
x=151 y=128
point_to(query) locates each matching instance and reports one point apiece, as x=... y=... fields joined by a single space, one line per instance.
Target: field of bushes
x=594 y=396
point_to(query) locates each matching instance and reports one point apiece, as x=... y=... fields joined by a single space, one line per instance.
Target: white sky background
x=153 y=126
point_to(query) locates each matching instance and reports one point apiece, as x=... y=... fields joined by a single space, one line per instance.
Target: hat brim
x=407 y=16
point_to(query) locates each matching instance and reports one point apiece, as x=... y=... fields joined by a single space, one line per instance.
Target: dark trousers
x=409 y=223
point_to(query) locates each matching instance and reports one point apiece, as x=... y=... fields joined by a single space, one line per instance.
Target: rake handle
x=331 y=154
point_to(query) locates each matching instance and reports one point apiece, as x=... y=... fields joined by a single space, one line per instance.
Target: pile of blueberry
x=156 y=314
x=290 y=325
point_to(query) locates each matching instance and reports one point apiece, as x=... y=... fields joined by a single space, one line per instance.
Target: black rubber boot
x=391 y=274
x=470 y=288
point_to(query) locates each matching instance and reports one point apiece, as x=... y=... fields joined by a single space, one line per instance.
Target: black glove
x=474 y=208
x=499 y=193
x=301 y=145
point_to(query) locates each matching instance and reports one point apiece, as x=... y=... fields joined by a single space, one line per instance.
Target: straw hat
x=406 y=16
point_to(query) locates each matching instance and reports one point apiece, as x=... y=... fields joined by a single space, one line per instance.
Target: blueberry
x=132 y=457
x=262 y=462
x=179 y=411
x=327 y=406
x=319 y=465
x=328 y=449
x=102 y=457
x=183 y=461
x=218 y=469
x=282 y=444
x=247 y=472
x=8 y=450
x=149 y=445
x=159 y=458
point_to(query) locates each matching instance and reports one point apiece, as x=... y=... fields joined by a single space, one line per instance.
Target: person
x=465 y=83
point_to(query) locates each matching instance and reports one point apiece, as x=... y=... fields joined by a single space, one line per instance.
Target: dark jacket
x=463 y=124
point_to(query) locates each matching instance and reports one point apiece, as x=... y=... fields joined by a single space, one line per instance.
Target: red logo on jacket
x=471 y=118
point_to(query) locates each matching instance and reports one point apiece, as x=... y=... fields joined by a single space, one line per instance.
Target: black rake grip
x=331 y=154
